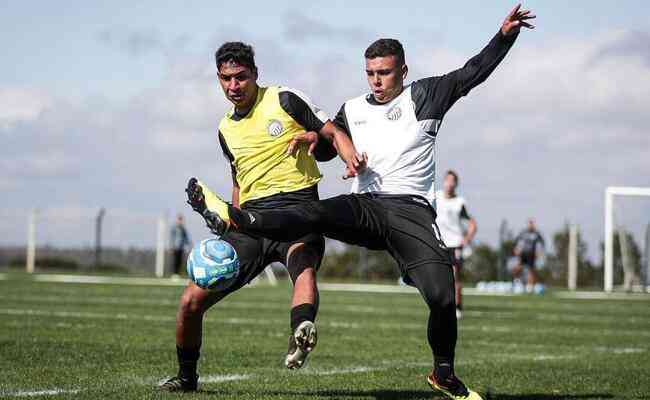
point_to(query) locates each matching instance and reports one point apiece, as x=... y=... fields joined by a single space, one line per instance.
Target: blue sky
x=115 y=104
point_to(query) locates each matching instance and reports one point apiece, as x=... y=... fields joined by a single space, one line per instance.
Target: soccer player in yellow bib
x=272 y=138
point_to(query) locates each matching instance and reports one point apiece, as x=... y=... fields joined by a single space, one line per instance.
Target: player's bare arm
x=354 y=162
x=235 y=194
x=471 y=231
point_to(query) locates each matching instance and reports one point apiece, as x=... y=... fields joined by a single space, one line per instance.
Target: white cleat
x=459 y=314
x=301 y=343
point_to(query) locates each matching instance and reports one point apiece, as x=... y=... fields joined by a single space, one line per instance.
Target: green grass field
x=63 y=340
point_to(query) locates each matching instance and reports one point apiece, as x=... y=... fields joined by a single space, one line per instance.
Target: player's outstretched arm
x=458 y=83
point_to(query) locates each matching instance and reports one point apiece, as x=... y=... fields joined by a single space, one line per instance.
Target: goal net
x=627 y=238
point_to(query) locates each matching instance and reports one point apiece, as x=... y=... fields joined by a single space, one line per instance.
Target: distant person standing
x=529 y=248
x=180 y=240
x=451 y=214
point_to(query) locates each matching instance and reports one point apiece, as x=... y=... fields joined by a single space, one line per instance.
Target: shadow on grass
x=338 y=394
x=388 y=394
x=591 y=396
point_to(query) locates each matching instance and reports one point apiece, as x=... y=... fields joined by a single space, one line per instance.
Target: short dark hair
x=238 y=52
x=386 y=47
x=454 y=174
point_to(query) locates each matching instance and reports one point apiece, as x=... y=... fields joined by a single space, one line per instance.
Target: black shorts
x=256 y=253
x=456 y=254
x=527 y=259
x=401 y=224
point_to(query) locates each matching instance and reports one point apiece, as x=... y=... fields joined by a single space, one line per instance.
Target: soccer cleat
x=453 y=388
x=213 y=210
x=301 y=343
x=459 y=313
x=180 y=384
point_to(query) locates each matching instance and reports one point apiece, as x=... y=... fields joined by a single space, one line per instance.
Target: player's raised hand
x=353 y=168
x=308 y=138
x=515 y=20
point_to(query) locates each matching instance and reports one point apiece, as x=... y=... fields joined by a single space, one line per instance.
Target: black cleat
x=180 y=384
x=212 y=208
x=452 y=387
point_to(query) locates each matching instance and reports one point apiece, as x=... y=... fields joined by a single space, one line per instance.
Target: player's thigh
x=252 y=258
x=413 y=238
x=352 y=218
x=299 y=255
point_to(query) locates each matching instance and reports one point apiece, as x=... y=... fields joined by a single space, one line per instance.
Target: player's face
x=239 y=84
x=531 y=225
x=449 y=184
x=385 y=77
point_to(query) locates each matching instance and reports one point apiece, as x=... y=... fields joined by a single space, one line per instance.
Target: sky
x=116 y=104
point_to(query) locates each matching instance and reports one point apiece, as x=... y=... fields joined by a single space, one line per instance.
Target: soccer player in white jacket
x=457 y=228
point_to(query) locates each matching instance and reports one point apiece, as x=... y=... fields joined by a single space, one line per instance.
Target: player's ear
x=405 y=71
x=255 y=75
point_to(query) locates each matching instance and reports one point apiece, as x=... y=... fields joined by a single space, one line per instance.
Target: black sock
x=300 y=313
x=187 y=361
x=443 y=367
x=459 y=307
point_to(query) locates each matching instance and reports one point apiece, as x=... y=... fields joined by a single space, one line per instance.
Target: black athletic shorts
x=255 y=253
x=527 y=259
x=404 y=225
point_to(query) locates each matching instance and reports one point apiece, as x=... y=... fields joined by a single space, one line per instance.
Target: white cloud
x=21 y=105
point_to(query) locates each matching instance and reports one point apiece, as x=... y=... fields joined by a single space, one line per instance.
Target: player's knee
x=315 y=212
x=192 y=304
x=440 y=298
x=302 y=261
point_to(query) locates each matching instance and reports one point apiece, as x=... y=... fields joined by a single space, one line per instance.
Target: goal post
x=610 y=193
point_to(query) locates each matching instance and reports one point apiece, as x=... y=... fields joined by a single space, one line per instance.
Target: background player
x=272 y=167
x=451 y=211
x=529 y=247
x=180 y=241
x=396 y=125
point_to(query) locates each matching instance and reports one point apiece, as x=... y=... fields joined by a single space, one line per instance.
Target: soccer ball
x=213 y=264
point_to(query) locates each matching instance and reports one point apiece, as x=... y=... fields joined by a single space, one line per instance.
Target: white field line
x=308 y=371
x=37 y=393
x=339 y=287
x=601 y=296
x=109 y=300
x=332 y=324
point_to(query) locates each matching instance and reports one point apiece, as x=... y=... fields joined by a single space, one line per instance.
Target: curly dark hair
x=238 y=52
x=386 y=47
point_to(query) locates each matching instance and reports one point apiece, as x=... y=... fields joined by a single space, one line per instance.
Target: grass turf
x=109 y=341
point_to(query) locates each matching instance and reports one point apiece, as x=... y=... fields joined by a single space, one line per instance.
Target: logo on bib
x=274 y=128
x=394 y=113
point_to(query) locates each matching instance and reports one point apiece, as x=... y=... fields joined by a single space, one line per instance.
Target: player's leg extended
x=189 y=332
x=302 y=262
x=342 y=217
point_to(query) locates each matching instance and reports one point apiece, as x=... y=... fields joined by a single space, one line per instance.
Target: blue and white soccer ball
x=213 y=264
